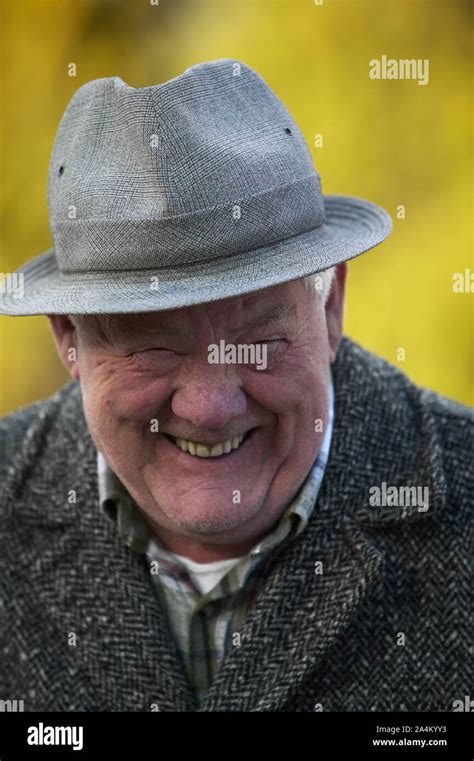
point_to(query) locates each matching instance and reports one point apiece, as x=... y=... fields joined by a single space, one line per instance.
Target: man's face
x=147 y=382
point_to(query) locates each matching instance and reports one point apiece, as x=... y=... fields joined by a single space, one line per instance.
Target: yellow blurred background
x=394 y=142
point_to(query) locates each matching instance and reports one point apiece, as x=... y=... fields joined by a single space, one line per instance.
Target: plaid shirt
x=207 y=626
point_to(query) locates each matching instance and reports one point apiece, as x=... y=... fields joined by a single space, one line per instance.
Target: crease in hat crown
x=207 y=165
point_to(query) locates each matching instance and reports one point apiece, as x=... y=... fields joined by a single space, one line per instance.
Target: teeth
x=201 y=450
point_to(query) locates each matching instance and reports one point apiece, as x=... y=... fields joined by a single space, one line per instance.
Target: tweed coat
x=370 y=608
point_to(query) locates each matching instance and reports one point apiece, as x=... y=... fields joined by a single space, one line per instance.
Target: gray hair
x=321 y=283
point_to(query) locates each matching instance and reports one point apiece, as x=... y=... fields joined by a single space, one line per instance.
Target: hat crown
x=208 y=164
x=213 y=135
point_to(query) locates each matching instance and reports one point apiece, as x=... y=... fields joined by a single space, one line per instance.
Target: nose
x=209 y=396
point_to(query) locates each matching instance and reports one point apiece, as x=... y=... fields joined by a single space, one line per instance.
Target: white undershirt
x=207 y=575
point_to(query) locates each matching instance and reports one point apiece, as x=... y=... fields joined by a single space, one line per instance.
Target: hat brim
x=352 y=227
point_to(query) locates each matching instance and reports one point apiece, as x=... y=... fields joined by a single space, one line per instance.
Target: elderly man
x=231 y=506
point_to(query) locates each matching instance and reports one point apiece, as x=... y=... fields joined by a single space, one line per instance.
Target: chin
x=209 y=518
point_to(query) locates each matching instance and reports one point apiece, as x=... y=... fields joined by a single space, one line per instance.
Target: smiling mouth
x=198 y=449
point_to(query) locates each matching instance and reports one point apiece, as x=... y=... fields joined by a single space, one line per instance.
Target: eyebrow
x=269 y=318
x=273 y=316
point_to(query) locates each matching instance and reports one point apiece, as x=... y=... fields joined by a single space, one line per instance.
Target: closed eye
x=269 y=351
x=155 y=353
x=270 y=343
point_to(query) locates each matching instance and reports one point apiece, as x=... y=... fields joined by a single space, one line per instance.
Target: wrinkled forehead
x=278 y=305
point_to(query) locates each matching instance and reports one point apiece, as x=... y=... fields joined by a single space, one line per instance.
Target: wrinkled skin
x=154 y=367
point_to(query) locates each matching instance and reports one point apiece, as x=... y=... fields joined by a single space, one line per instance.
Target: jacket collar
x=382 y=433
x=385 y=434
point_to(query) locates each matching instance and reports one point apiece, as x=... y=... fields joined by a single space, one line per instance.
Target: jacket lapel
x=296 y=619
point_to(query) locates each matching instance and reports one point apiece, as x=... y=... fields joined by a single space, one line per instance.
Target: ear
x=65 y=338
x=335 y=309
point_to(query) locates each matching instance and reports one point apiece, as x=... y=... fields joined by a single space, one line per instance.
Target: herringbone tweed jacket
x=386 y=626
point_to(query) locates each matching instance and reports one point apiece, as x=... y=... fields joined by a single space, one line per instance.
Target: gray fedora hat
x=186 y=192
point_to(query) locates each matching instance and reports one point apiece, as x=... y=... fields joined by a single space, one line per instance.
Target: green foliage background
x=393 y=142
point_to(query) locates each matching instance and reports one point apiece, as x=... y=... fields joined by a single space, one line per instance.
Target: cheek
x=294 y=384
x=297 y=394
x=116 y=393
